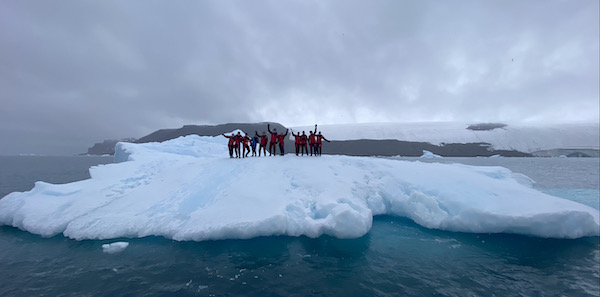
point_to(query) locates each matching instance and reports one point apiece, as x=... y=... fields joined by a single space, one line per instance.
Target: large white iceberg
x=189 y=189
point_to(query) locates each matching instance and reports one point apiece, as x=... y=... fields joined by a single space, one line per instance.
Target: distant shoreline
x=361 y=147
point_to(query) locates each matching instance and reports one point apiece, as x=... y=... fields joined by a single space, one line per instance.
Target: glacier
x=189 y=189
x=528 y=138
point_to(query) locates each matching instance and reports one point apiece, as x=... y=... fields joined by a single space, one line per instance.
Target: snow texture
x=429 y=155
x=517 y=137
x=189 y=189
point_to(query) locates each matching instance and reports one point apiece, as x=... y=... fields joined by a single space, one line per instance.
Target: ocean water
x=396 y=258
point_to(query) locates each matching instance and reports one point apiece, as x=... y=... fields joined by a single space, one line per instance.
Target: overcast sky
x=76 y=72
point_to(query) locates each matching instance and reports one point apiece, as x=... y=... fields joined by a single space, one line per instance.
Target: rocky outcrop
x=205 y=130
x=107 y=147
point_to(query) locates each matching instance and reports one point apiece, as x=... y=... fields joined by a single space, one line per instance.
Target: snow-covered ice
x=520 y=137
x=115 y=247
x=189 y=189
x=429 y=155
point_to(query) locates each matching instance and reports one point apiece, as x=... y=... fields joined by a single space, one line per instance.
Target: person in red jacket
x=297 y=141
x=280 y=139
x=237 y=140
x=263 y=143
x=230 y=144
x=313 y=141
x=246 y=142
x=274 y=138
x=303 y=141
x=319 y=143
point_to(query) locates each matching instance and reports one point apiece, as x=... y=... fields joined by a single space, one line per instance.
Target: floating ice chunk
x=189 y=189
x=429 y=155
x=115 y=247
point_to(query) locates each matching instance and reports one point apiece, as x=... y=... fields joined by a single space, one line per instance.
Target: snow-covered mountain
x=450 y=139
x=538 y=139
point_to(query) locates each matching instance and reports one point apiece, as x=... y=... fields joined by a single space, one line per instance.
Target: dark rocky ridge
x=485 y=126
x=362 y=147
x=392 y=147
x=205 y=130
x=107 y=147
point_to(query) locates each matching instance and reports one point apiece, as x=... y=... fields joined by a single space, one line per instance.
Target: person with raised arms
x=280 y=139
x=297 y=141
x=246 y=140
x=263 y=142
x=319 y=143
x=303 y=140
x=313 y=141
x=230 y=144
x=274 y=138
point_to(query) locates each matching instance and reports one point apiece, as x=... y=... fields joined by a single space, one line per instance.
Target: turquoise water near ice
x=396 y=258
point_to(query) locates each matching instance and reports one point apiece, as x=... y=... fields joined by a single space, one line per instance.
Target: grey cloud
x=77 y=72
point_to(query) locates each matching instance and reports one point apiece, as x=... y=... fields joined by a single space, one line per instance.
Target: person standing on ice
x=274 y=138
x=313 y=141
x=263 y=142
x=246 y=140
x=297 y=141
x=230 y=144
x=319 y=143
x=238 y=140
x=303 y=141
x=280 y=139
x=253 y=145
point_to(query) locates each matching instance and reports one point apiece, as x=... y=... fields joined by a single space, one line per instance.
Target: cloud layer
x=77 y=72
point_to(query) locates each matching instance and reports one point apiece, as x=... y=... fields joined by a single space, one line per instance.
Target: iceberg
x=189 y=189
x=429 y=155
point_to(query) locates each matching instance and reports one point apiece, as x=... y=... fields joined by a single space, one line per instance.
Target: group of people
x=314 y=140
x=247 y=143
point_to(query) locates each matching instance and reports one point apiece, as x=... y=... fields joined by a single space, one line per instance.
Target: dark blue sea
x=396 y=258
